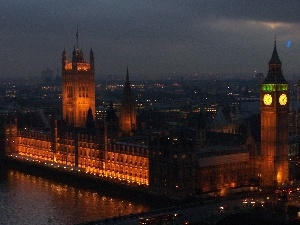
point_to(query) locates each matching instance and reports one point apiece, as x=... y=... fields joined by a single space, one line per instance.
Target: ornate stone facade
x=78 y=88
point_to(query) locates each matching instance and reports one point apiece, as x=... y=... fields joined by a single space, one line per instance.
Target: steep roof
x=219 y=118
x=275 y=75
x=275 y=58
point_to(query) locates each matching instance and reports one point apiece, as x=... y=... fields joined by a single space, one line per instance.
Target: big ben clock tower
x=274 y=105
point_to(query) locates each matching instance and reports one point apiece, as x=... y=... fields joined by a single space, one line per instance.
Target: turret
x=64 y=60
x=74 y=59
x=92 y=60
x=80 y=57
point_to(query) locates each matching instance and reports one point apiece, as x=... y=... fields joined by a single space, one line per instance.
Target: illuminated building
x=121 y=162
x=175 y=164
x=78 y=88
x=75 y=142
x=8 y=133
x=274 y=103
x=170 y=164
x=179 y=158
x=220 y=168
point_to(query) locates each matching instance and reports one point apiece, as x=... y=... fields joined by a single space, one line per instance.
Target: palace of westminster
x=185 y=161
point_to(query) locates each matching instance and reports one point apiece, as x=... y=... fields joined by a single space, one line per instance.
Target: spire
x=127 y=119
x=64 y=59
x=74 y=55
x=275 y=75
x=92 y=60
x=127 y=88
x=275 y=58
x=91 y=53
x=77 y=37
x=127 y=76
x=74 y=51
x=64 y=55
x=90 y=124
x=127 y=83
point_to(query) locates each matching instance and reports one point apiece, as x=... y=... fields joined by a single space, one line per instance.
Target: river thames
x=30 y=199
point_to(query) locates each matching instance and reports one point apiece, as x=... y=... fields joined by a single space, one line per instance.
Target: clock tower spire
x=274 y=125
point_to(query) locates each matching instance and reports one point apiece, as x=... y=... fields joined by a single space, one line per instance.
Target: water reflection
x=28 y=199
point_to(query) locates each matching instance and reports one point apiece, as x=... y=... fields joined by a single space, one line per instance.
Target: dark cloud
x=268 y=11
x=151 y=36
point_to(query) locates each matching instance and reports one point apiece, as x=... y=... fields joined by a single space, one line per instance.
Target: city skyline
x=169 y=37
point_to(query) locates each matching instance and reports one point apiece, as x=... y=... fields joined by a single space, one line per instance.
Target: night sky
x=152 y=37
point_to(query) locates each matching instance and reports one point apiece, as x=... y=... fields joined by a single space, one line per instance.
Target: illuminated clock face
x=267 y=99
x=282 y=99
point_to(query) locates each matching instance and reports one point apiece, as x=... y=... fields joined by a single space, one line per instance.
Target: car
x=249 y=202
x=223 y=208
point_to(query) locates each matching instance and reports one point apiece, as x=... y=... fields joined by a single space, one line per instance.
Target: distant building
x=47 y=76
